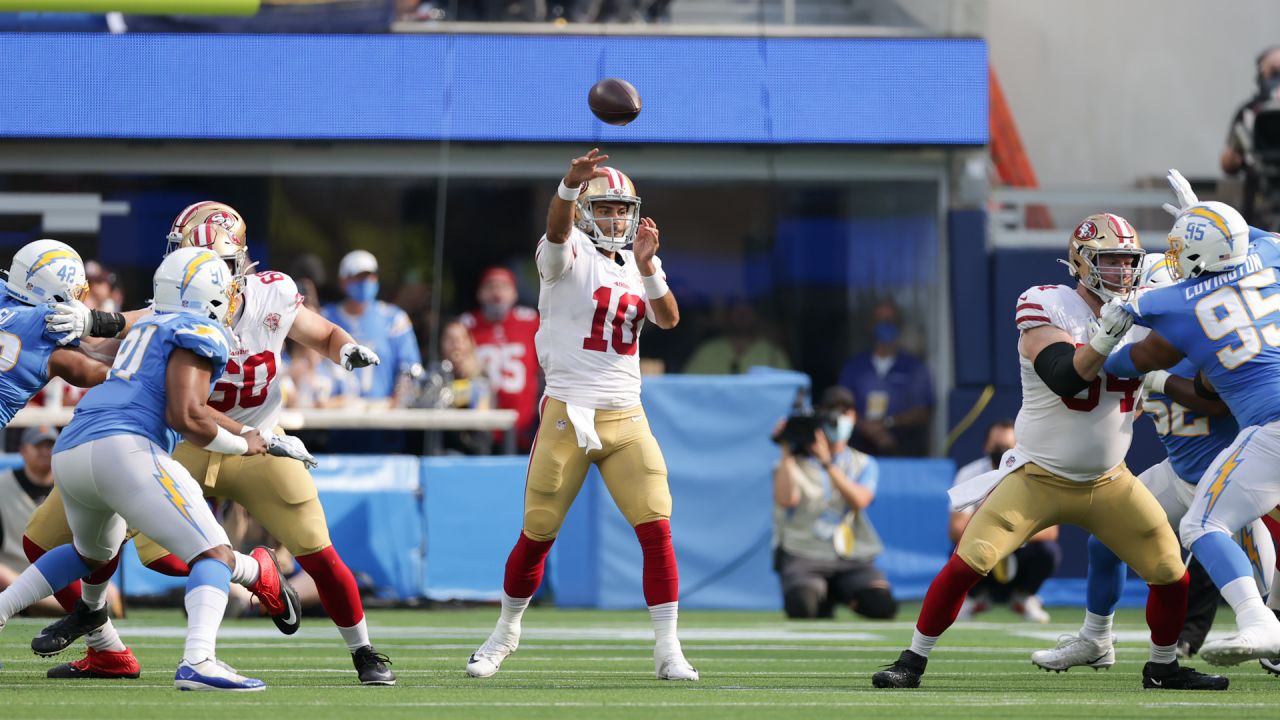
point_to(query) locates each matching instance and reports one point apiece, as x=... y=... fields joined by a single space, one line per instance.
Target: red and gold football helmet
x=233 y=248
x=1098 y=236
x=614 y=187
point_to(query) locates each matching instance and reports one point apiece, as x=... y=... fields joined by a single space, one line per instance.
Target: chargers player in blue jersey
x=42 y=271
x=1224 y=316
x=1193 y=431
x=113 y=467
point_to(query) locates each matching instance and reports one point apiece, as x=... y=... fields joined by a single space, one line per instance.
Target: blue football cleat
x=209 y=674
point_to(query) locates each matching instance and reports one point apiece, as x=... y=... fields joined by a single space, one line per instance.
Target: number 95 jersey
x=248 y=391
x=1228 y=325
x=1079 y=438
x=589 y=337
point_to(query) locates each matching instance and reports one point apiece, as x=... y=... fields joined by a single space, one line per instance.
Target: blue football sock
x=1106 y=579
x=1222 y=558
x=61 y=566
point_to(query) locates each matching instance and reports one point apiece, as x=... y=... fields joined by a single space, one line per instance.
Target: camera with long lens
x=798 y=432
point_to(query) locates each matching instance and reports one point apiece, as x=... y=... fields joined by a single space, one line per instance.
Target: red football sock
x=661 y=575
x=1167 y=610
x=1273 y=527
x=945 y=596
x=169 y=565
x=525 y=566
x=68 y=595
x=104 y=573
x=337 y=587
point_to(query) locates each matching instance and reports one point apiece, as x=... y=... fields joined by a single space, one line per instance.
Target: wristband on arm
x=227 y=443
x=105 y=324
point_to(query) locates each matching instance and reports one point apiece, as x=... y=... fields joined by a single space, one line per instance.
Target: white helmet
x=1207 y=237
x=46 y=270
x=1156 y=271
x=193 y=280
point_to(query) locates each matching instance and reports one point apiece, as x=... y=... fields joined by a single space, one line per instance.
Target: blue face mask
x=364 y=291
x=886 y=332
x=841 y=431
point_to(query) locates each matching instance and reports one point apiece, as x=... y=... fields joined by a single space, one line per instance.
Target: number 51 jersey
x=590 y=319
x=1083 y=437
x=248 y=392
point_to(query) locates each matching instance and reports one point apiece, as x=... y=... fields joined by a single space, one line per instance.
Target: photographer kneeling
x=824 y=543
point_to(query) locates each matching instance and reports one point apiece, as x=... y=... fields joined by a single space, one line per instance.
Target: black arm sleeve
x=1056 y=368
x=105 y=324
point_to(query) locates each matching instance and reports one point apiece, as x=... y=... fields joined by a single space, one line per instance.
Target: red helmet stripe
x=185 y=217
x=615 y=179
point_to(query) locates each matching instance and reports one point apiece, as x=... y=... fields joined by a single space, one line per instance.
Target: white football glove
x=1154 y=381
x=288 y=446
x=72 y=317
x=1182 y=192
x=358 y=356
x=1113 y=322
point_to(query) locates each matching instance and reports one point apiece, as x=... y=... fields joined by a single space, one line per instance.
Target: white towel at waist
x=972 y=492
x=584 y=426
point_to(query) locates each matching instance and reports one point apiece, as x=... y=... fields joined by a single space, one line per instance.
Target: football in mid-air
x=614 y=101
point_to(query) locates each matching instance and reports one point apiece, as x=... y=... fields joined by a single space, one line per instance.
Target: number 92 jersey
x=1228 y=325
x=1079 y=438
x=248 y=392
x=132 y=399
x=589 y=336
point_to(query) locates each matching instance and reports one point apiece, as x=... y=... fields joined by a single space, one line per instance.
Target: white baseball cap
x=356 y=262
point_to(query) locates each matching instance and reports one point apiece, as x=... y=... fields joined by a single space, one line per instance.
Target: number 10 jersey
x=1079 y=438
x=590 y=319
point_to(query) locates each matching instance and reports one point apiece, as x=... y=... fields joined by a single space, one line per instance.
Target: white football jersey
x=249 y=391
x=1083 y=437
x=589 y=337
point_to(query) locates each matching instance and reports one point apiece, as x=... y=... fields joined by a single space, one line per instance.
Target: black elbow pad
x=1056 y=367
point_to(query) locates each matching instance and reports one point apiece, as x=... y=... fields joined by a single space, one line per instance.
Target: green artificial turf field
x=589 y=664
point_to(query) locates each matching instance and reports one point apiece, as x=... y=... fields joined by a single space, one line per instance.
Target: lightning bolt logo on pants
x=1219 y=485
x=174 y=496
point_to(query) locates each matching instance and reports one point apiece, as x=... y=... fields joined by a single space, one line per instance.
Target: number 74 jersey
x=1079 y=438
x=588 y=339
x=1228 y=326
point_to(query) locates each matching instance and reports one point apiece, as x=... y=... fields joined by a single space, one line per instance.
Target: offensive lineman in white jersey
x=594 y=298
x=1068 y=466
x=275 y=490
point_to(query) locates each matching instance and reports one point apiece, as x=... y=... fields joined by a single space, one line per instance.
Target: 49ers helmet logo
x=1086 y=231
x=227 y=222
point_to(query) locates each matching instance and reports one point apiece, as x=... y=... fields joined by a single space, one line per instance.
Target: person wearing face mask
x=1241 y=154
x=504 y=342
x=374 y=324
x=824 y=544
x=894 y=391
x=1019 y=577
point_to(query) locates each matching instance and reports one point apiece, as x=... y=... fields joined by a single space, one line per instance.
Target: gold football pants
x=630 y=463
x=1116 y=508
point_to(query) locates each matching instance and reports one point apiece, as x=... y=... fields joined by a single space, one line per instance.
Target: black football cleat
x=905 y=672
x=372 y=667
x=1171 y=676
x=61 y=633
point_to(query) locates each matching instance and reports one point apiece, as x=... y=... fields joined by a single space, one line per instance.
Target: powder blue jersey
x=132 y=400
x=1192 y=440
x=25 y=348
x=1228 y=326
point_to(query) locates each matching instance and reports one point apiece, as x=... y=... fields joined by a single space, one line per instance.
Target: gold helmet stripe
x=1213 y=217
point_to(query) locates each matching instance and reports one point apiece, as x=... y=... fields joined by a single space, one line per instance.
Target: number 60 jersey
x=591 y=314
x=248 y=392
x=1082 y=437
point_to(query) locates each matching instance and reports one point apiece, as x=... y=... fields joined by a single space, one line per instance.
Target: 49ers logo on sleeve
x=1086 y=231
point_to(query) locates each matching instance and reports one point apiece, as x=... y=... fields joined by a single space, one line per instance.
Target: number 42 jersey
x=591 y=315
x=248 y=392
x=1079 y=438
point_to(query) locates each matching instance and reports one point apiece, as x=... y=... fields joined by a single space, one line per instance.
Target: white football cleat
x=670 y=664
x=1255 y=642
x=210 y=674
x=1030 y=608
x=502 y=642
x=1076 y=651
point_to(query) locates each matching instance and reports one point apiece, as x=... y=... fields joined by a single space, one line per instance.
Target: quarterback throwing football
x=594 y=298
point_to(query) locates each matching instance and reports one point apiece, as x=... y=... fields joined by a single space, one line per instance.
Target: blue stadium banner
x=511 y=88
